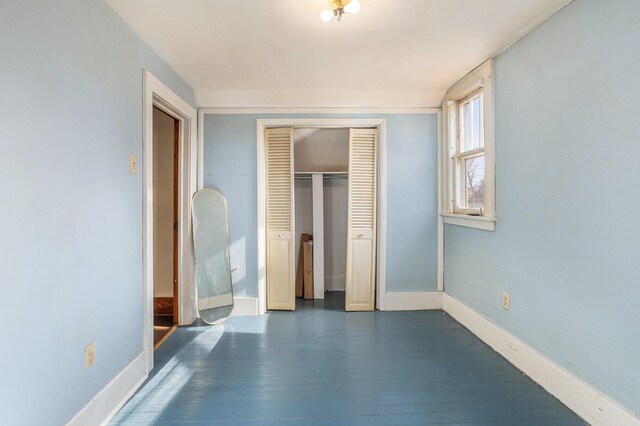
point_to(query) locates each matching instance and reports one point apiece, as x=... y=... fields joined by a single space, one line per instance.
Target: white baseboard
x=584 y=400
x=414 y=301
x=335 y=282
x=102 y=407
x=245 y=306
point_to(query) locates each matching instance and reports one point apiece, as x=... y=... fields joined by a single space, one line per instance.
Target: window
x=468 y=155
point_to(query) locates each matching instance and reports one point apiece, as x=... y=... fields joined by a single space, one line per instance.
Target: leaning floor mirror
x=211 y=247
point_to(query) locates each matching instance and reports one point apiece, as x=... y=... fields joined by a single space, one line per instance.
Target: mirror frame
x=195 y=254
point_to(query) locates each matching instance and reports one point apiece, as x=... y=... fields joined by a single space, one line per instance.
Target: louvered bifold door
x=361 y=235
x=280 y=216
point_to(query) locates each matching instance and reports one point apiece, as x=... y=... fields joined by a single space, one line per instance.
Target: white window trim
x=481 y=77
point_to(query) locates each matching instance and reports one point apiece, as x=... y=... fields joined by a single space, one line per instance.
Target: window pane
x=474 y=182
x=472 y=123
x=464 y=126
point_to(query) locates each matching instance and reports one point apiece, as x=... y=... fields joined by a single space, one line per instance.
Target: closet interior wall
x=304 y=207
x=336 y=203
x=323 y=151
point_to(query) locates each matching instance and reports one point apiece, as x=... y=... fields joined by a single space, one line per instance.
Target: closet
x=321 y=181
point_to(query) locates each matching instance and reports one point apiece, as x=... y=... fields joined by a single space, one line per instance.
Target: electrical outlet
x=506 y=301
x=133 y=164
x=89 y=355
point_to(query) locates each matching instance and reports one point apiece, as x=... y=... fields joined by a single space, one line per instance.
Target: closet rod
x=341 y=172
x=334 y=176
x=325 y=175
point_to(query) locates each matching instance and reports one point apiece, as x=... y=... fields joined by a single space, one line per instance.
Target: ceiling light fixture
x=339 y=8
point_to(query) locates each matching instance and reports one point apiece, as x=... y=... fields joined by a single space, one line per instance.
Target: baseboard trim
x=245 y=306
x=334 y=282
x=102 y=407
x=584 y=400
x=414 y=301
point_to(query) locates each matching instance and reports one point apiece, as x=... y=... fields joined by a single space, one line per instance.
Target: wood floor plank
x=322 y=365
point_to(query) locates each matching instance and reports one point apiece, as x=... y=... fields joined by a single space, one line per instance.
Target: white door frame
x=381 y=246
x=157 y=94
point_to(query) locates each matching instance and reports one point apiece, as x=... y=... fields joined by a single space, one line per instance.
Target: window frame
x=460 y=157
x=480 y=80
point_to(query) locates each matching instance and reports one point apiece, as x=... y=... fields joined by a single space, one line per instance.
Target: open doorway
x=166 y=152
x=158 y=95
x=321 y=183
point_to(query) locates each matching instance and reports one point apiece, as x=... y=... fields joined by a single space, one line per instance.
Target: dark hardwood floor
x=320 y=365
x=162 y=325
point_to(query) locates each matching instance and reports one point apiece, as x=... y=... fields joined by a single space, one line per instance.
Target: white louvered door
x=361 y=234
x=280 y=216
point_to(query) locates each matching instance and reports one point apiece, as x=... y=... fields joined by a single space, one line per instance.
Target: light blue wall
x=568 y=186
x=230 y=165
x=71 y=214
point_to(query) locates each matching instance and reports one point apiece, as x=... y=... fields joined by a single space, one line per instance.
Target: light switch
x=133 y=164
x=90 y=355
x=506 y=301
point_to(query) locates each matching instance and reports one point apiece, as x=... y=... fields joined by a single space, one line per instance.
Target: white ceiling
x=277 y=53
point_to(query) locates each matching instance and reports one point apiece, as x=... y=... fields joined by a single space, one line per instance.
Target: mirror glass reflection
x=211 y=245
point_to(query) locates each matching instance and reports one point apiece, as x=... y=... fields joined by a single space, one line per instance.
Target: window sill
x=477 y=222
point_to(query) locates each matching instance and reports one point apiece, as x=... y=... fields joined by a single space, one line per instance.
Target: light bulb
x=326 y=15
x=353 y=7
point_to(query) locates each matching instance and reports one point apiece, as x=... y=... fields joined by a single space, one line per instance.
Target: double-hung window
x=469 y=198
